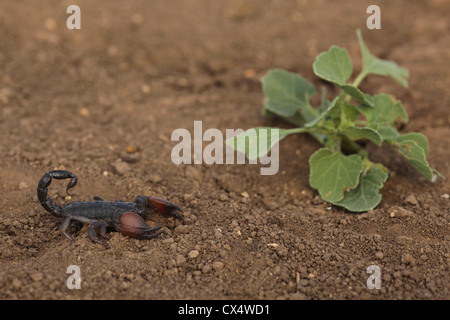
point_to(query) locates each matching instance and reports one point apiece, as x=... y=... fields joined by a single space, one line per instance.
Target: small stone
x=249 y=73
x=121 y=167
x=193 y=254
x=50 y=24
x=223 y=197
x=408 y=259
x=137 y=18
x=379 y=255
x=217 y=265
x=16 y=284
x=245 y=194
x=399 y=212
x=168 y=241
x=155 y=178
x=84 y=112
x=17 y=224
x=411 y=199
x=180 y=259
x=188 y=197
x=206 y=269
x=131 y=149
x=304 y=282
x=23 y=185
x=37 y=276
x=183 y=228
x=5 y=93
x=317 y=200
x=145 y=88
x=129 y=276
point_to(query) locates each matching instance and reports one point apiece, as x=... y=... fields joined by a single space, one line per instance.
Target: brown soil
x=136 y=71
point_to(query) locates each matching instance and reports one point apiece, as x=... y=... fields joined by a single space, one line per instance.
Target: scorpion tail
x=42 y=189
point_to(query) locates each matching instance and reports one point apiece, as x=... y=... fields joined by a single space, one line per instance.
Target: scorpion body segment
x=125 y=217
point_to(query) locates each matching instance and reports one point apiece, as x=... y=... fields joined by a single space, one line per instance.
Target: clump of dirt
x=103 y=101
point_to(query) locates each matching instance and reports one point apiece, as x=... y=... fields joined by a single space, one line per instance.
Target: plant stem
x=359 y=78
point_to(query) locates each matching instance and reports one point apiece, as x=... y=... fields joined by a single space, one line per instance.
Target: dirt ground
x=138 y=70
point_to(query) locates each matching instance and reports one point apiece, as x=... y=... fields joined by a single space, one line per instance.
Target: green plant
x=341 y=171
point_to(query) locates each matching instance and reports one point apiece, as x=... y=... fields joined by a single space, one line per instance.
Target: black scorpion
x=125 y=217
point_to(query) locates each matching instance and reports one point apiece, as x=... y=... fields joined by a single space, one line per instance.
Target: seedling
x=341 y=170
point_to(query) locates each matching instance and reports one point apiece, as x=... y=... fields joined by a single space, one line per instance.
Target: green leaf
x=366 y=196
x=386 y=132
x=356 y=133
x=257 y=142
x=357 y=94
x=414 y=154
x=373 y=65
x=333 y=173
x=385 y=110
x=286 y=92
x=419 y=138
x=335 y=66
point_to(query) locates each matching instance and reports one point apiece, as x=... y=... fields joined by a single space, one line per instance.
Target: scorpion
x=127 y=218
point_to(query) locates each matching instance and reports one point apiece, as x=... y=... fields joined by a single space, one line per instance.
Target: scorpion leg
x=93 y=234
x=91 y=228
x=134 y=226
x=65 y=224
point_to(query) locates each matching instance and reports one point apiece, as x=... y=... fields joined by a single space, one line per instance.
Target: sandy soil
x=136 y=71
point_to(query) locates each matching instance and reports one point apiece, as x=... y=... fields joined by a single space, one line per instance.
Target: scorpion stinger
x=42 y=189
x=101 y=215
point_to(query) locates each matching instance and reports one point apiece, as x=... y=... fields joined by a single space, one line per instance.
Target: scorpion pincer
x=125 y=217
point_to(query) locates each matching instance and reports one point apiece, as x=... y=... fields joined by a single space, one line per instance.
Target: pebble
x=23 y=185
x=399 y=212
x=84 y=112
x=5 y=93
x=180 y=259
x=16 y=284
x=37 y=276
x=217 y=265
x=193 y=254
x=168 y=241
x=183 y=228
x=411 y=199
x=155 y=178
x=408 y=259
x=206 y=269
x=121 y=167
